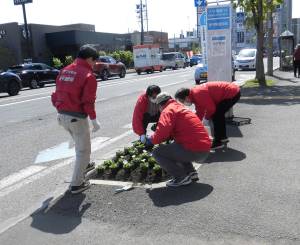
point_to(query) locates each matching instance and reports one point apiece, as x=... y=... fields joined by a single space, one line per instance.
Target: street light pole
x=142 y=22
x=26 y=31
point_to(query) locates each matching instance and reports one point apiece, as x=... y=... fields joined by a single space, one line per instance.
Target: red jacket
x=297 y=54
x=140 y=109
x=178 y=122
x=207 y=96
x=76 y=88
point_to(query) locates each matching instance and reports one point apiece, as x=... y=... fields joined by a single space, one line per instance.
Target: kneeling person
x=191 y=141
x=145 y=111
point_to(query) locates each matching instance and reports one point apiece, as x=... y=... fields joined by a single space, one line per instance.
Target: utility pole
x=142 y=22
x=26 y=31
x=147 y=20
x=270 y=37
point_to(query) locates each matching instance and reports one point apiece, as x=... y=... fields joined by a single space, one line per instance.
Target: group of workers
x=75 y=97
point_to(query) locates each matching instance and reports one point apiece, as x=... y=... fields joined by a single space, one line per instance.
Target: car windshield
x=168 y=56
x=247 y=53
x=15 y=68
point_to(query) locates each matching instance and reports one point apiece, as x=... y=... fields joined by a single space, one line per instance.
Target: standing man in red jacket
x=191 y=141
x=145 y=111
x=74 y=99
x=212 y=100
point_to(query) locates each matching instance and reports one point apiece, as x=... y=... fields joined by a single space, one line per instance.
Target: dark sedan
x=35 y=75
x=10 y=83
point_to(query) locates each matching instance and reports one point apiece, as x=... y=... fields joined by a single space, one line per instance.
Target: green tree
x=256 y=13
x=68 y=60
x=57 y=63
x=101 y=53
x=125 y=57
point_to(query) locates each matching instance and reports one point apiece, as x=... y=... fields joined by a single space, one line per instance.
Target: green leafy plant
x=68 y=60
x=156 y=168
x=57 y=63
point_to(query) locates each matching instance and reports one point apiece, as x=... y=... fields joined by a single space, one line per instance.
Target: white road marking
x=22 y=174
x=12 y=183
x=64 y=150
x=24 y=101
x=23 y=96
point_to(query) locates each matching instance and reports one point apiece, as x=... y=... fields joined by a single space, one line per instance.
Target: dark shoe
x=90 y=167
x=217 y=145
x=194 y=176
x=180 y=181
x=78 y=189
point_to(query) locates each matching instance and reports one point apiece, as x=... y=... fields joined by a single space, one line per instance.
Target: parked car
x=173 y=60
x=201 y=73
x=10 y=83
x=246 y=59
x=107 y=66
x=187 y=61
x=195 y=60
x=35 y=75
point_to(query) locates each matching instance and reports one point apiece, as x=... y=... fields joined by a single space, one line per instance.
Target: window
x=240 y=37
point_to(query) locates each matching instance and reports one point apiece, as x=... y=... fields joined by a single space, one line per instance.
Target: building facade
x=47 y=41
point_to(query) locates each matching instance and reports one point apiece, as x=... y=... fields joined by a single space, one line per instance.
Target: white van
x=173 y=60
x=246 y=59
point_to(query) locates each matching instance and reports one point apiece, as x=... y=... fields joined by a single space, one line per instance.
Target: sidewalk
x=248 y=194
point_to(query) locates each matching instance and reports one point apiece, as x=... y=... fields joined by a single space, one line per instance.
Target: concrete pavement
x=246 y=195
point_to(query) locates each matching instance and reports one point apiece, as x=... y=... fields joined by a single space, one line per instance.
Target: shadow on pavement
x=234 y=131
x=61 y=217
x=163 y=197
x=226 y=155
x=275 y=95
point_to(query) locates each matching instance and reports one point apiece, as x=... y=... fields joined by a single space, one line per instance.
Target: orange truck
x=147 y=58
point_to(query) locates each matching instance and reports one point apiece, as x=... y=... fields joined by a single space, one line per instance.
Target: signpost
x=219 y=53
x=23 y=2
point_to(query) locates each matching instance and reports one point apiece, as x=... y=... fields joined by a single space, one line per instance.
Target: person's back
x=221 y=90
x=297 y=53
x=73 y=86
x=186 y=127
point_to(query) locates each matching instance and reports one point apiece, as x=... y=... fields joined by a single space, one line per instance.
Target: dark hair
x=182 y=93
x=165 y=101
x=153 y=89
x=87 y=51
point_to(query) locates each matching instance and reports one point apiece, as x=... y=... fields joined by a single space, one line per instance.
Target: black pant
x=219 y=117
x=149 y=119
x=296 y=67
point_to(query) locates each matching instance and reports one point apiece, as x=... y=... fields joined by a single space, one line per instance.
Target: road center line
x=24 y=101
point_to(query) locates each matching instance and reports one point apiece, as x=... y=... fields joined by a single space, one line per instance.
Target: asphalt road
x=29 y=176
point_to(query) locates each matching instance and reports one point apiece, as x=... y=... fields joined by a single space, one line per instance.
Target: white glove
x=96 y=125
x=143 y=138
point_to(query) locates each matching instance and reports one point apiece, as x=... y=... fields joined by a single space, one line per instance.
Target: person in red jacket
x=212 y=100
x=145 y=111
x=191 y=141
x=74 y=99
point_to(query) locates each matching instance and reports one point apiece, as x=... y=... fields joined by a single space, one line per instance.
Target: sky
x=296 y=9
x=116 y=16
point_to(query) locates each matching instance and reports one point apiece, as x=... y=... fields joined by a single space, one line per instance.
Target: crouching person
x=191 y=141
x=145 y=111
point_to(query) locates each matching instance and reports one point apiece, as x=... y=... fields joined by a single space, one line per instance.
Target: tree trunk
x=260 y=71
x=270 y=42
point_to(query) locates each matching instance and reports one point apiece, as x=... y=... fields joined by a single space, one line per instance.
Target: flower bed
x=134 y=164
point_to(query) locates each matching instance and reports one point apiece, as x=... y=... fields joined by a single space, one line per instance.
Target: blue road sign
x=203 y=19
x=200 y=3
x=218 y=12
x=218 y=24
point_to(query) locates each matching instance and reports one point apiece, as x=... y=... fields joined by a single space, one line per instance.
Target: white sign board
x=203 y=35
x=219 y=43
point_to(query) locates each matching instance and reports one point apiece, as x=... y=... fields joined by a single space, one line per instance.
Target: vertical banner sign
x=203 y=36
x=219 y=54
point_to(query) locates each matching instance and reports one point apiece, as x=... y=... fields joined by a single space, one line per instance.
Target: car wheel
x=138 y=72
x=41 y=85
x=197 y=82
x=13 y=88
x=161 y=69
x=34 y=84
x=123 y=73
x=104 y=75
